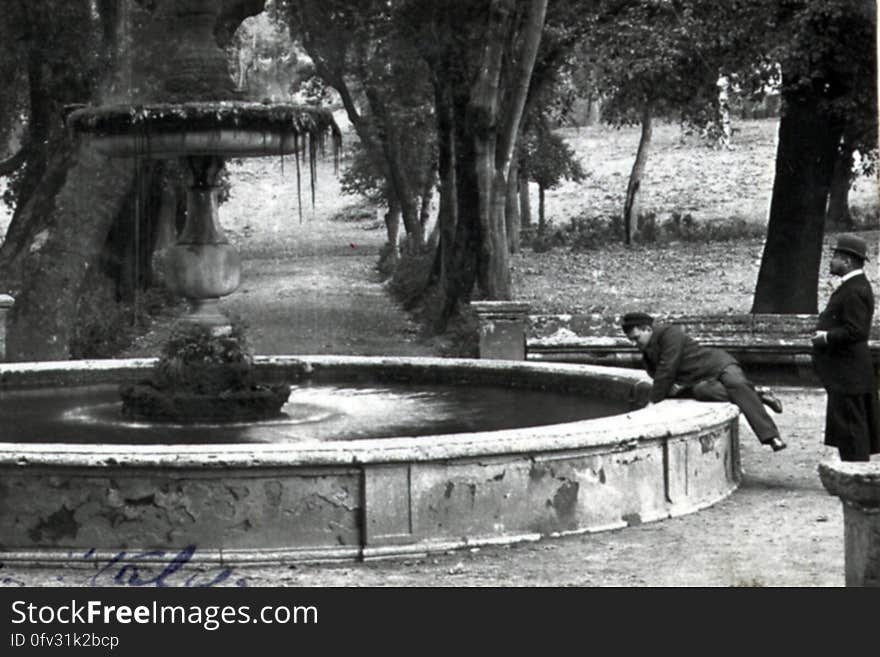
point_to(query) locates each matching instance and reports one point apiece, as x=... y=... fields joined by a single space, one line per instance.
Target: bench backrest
x=745 y=328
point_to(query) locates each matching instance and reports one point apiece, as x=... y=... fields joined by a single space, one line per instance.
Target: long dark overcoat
x=844 y=364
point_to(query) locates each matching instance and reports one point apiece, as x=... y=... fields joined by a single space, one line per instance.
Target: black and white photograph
x=436 y=293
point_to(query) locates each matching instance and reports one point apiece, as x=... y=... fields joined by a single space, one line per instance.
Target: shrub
x=356 y=212
x=865 y=217
x=462 y=335
x=199 y=359
x=579 y=234
x=103 y=327
x=590 y=232
x=409 y=273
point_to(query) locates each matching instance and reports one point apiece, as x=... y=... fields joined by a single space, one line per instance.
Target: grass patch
x=590 y=232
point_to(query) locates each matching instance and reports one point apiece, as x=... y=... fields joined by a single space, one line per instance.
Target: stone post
x=502 y=328
x=6 y=303
x=858 y=487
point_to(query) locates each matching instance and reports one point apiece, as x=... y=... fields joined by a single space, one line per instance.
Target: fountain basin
x=348 y=499
x=222 y=128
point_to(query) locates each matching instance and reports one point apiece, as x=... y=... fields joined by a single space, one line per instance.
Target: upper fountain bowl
x=220 y=128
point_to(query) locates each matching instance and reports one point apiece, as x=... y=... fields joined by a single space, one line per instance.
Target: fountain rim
x=121 y=118
x=224 y=128
x=620 y=431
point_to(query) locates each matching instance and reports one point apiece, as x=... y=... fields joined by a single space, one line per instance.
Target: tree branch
x=10 y=165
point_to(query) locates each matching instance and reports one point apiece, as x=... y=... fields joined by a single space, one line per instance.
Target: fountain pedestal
x=203 y=266
x=858 y=487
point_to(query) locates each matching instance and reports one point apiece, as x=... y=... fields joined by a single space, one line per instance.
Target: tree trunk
x=482 y=146
x=837 y=216
x=80 y=219
x=392 y=227
x=461 y=275
x=724 y=111
x=32 y=218
x=542 y=225
x=789 y=275
x=525 y=203
x=389 y=138
x=482 y=122
x=511 y=208
x=425 y=196
x=499 y=286
x=447 y=212
x=631 y=204
x=38 y=141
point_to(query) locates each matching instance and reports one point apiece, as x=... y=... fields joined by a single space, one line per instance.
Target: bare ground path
x=309 y=282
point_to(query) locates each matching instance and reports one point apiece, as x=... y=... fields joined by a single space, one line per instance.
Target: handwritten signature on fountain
x=148 y=568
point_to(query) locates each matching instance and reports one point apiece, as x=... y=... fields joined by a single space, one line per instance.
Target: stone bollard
x=858 y=487
x=502 y=328
x=6 y=303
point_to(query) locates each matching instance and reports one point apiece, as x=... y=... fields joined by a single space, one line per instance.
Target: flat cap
x=630 y=320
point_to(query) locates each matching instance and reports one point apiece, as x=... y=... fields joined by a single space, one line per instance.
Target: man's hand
x=820 y=338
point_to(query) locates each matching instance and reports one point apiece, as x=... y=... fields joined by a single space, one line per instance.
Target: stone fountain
x=81 y=484
x=201 y=128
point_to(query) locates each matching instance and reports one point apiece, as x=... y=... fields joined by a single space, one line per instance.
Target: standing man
x=681 y=367
x=842 y=359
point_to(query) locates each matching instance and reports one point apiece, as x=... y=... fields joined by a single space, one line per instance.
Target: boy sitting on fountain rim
x=681 y=367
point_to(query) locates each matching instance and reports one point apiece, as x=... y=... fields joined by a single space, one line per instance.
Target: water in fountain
x=315 y=411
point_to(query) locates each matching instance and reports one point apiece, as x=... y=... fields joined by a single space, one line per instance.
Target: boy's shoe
x=766 y=395
x=777 y=444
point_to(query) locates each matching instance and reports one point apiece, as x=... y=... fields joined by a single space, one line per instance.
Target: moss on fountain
x=221 y=128
x=192 y=116
x=203 y=376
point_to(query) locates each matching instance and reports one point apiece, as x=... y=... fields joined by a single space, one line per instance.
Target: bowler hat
x=853 y=245
x=629 y=320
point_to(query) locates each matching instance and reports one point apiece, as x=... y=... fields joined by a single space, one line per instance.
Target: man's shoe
x=770 y=399
x=777 y=444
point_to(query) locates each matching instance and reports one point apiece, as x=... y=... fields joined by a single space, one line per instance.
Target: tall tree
x=481 y=56
x=829 y=64
x=662 y=59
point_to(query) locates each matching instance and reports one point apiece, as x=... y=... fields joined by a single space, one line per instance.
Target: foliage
x=548 y=159
x=104 y=328
x=50 y=56
x=591 y=232
x=361 y=177
x=410 y=275
x=462 y=335
x=831 y=53
x=199 y=359
x=666 y=55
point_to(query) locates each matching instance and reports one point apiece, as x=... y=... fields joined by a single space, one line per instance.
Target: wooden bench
x=771 y=348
